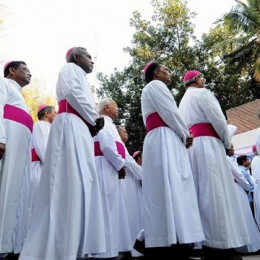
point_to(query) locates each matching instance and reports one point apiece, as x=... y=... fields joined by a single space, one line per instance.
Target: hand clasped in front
x=97 y=127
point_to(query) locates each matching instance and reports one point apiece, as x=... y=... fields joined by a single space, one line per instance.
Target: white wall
x=243 y=142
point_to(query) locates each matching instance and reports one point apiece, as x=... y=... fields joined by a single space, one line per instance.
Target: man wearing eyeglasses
x=16 y=127
x=222 y=219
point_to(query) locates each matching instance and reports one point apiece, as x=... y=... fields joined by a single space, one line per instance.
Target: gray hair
x=104 y=102
x=120 y=128
x=258 y=112
x=76 y=50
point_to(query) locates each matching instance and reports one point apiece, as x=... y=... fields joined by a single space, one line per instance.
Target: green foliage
x=168 y=38
x=125 y=88
x=243 y=21
x=165 y=38
x=230 y=84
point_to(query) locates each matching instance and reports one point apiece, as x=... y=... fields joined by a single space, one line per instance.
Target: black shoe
x=195 y=252
x=12 y=256
x=139 y=246
x=232 y=254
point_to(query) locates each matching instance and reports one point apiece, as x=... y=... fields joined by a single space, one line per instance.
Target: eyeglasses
x=202 y=77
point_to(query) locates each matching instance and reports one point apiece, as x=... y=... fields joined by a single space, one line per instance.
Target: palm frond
x=235 y=41
x=243 y=51
x=245 y=17
x=257 y=70
x=238 y=20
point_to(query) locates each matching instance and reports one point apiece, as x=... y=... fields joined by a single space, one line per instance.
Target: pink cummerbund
x=153 y=121
x=64 y=107
x=18 y=115
x=203 y=129
x=120 y=149
x=35 y=157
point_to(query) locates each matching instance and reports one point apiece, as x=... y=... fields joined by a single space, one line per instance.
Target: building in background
x=247 y=122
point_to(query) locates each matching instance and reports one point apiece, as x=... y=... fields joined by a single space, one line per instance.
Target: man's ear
x=106 y=108
x=156 y=73
x=11 y=70
x=46 y=113
x=196 y=79
x=76 y=57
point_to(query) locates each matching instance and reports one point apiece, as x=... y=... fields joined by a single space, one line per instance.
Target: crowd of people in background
x=70 y=189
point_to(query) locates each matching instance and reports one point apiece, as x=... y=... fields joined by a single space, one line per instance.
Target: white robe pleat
x=118 y=237
x=15 y=171
x=242 y=187
x=255 y=166
x=223 y=222
x=40 y=136
x=67 y=218
x=132 y=191
x=170 y=207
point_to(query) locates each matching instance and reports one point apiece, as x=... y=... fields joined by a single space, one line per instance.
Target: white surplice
x=132 y=191
x=242 y=187
x=255 y=166
x=170 y=206
x=118 y=237
x=67 y=218
x=40 y=136
x=222 y=219
x=257 y=141
x=15 y=171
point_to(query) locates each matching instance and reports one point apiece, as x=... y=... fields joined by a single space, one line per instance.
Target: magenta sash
x=154 y=121
x=203 y=129
x=65 y=107
x=35 y=157
x=18 y=115
x=120 y=149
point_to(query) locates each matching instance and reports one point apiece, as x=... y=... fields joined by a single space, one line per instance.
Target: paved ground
x=251 y=257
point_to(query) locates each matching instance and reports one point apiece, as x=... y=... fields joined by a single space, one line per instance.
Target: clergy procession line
x=69 y=189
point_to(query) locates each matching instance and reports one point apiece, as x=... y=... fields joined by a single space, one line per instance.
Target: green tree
x=168 y=38
x=164 y=38
x=231 y=85
x=243 y=20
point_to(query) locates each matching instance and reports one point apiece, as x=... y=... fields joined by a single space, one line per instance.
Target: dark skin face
x=2 y=150
x=230 y=152
x=21 y=75
x=163 y=74
x=139 y=160
x=123 y=134
x=49 y=117
x=199 y=82
x=84 y=61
